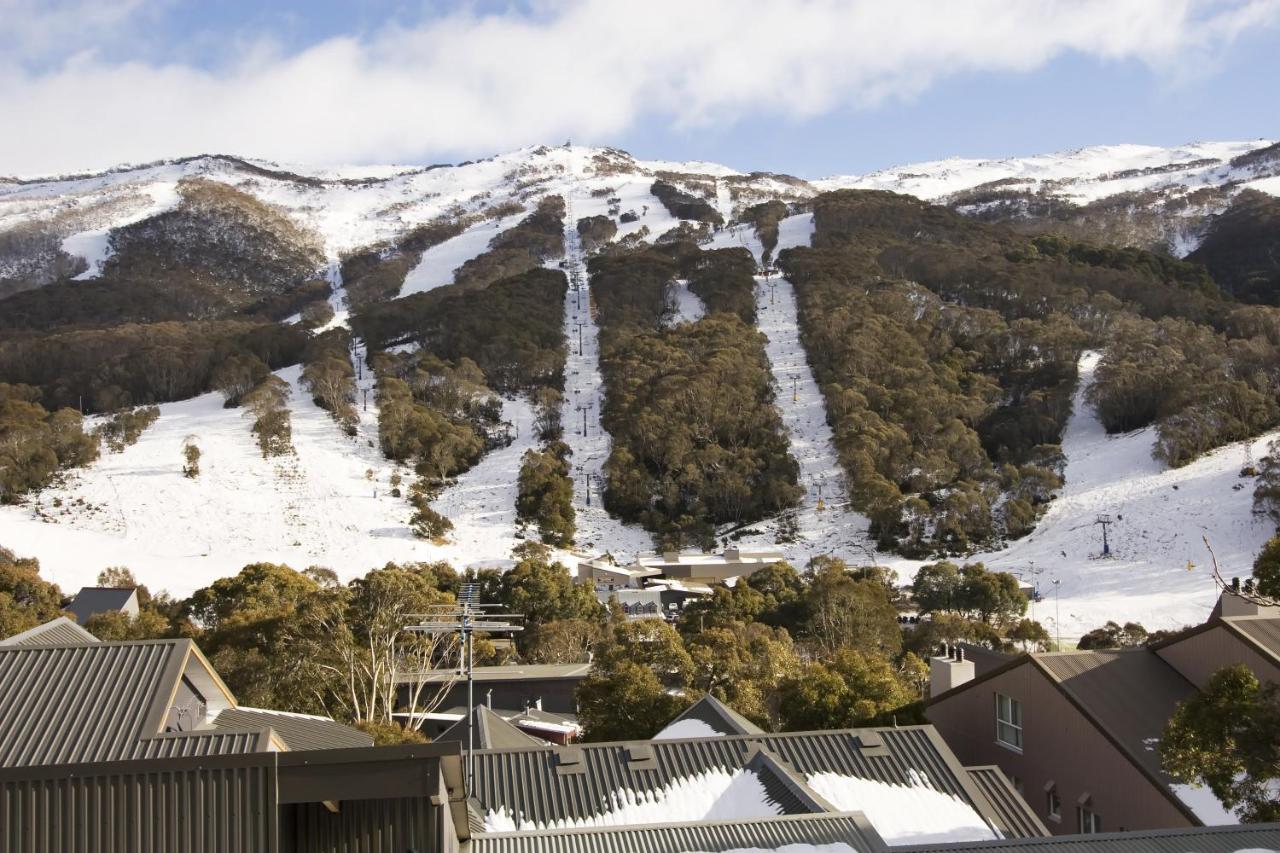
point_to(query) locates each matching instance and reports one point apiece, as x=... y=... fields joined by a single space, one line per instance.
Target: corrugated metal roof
x=1262 y=631
x=100 y=702
x=533 y=784
x=1204 y=839
x=984 y=659
x=102 y=599
x=298 y=731
x=1017 y=818
x=708 y=837
x=719 y=717
x=1131 y=693
x=56 y=632
x=512 y=673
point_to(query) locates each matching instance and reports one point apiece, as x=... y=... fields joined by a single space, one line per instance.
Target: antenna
x=465 y=618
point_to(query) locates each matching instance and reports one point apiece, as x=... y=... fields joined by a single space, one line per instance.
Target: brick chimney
x=949 y=669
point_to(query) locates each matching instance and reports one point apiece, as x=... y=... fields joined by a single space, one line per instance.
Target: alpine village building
x=1077 y=732
x=139 y=747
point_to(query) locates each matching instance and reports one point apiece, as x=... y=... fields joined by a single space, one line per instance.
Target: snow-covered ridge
x=1081 y=176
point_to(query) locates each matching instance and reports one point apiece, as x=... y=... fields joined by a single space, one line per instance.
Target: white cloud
x=470 y=83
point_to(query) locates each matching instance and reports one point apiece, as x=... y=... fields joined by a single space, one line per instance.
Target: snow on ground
x=687 y=728
x=824 y=522
x=904 y=814
x=715 y=794
x=1159 y=571
x=686 y=305
x=438 y=263
x=1086 y=175
x=482 y=503
x=584 y=395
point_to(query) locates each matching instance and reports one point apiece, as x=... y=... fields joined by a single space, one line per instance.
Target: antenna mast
x=466 y=618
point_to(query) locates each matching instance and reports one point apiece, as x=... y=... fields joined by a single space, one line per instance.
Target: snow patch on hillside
x=438 y=263
x=1159 y=569
x=685 y=305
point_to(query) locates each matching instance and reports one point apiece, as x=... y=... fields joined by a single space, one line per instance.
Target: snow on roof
x=1207 y=807
x=686 y=729
x=904 y=814
x=716 y=794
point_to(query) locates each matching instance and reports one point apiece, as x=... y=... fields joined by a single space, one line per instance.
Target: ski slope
x=1159 y=570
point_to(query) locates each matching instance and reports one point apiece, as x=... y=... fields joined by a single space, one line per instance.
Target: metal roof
x=1130 y=693
x=512 y=673
x=492 y=732
x=56 y=632
x=564 y=783
x=1016 y=816
x=297 y=731
x=102 y=599
x=705 y=837
x=718 y=716
x=101 y=702
x=1201 y=839
x=984 y=659
x=1263 y=632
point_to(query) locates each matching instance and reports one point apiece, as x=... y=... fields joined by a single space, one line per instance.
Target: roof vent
x=569 y=760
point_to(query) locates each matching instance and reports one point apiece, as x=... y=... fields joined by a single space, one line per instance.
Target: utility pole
x=365 y=393
x=579 y=325
x=1105 y=520
x=1057 y=611
x=586 y=485
x=794 y=395
x=465 y=618
x=584 y=408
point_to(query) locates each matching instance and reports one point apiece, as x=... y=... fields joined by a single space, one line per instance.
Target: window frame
x=1002 y=724
x=1053 y=805
x=1094 y=821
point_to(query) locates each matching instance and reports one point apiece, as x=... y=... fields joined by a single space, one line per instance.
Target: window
x=1009 y=722
x=1053 y=805
x=1089 y=821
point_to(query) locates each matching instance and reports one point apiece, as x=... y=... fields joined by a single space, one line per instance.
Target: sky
x=808 y=87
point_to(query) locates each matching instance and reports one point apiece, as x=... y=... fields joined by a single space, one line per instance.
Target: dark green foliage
x=1266 y=489
x=329 y=376
x=765 y=218
x=1266 y=570
x=544 y=592
x=724 y=279
x=847 y=691
x=135 y=365
x=596 y=231
x=218 y=253
x=268 y=402
x=1201 y=388
x=26 y=599
x=1242 y=248
x=971 y=591
x=376 y=273
x=697 y=440
x=636 y=679
x=125 y=428
x=1227 y=738
x=1113 y=636
x=513 y=329
x=425 y=522
x=682 y=205
x=536 y=239
x=545 y=493
x=35 y=444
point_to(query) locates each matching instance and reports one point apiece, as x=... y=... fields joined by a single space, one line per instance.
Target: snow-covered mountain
x=332 y=502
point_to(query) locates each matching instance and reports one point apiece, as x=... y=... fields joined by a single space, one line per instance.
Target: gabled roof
x=100 y=702
x=1017 y=817
x=590 y=783
x=815 y=830
x=56 y=632
x=708 y=716
x=1127 y=694
x=298 y=732
x=101 y=599
x=491 y=732
x=1261 y=632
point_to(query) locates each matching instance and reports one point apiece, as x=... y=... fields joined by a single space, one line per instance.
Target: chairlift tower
x=1105 y=520
x=466 y=618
